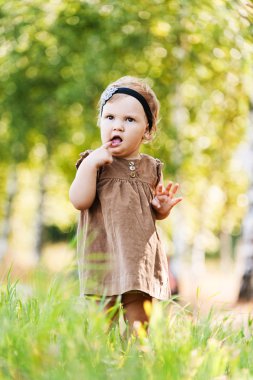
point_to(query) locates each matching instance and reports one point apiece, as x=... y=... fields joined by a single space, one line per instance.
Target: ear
x=146 y=135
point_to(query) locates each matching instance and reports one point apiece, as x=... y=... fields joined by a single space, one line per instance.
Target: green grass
x=51 y=334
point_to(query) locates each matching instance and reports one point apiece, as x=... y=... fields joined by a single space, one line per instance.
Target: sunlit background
x=56 y=57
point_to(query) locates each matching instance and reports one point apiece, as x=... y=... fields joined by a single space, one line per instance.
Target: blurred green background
x=56 y=57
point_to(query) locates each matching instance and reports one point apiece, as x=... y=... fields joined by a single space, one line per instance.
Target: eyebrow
x=133 y=115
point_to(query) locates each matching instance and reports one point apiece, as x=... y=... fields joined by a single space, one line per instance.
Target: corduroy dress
x=119 y=249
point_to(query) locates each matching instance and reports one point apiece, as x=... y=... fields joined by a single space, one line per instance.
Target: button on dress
x=118 y=246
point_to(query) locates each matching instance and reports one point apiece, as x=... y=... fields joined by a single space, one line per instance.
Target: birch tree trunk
x=246 y=287
x=198 y=262
x=39 y=217
x=11 y=190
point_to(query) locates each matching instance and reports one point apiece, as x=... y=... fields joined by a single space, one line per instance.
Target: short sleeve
x=83 y=156
x=159 y=165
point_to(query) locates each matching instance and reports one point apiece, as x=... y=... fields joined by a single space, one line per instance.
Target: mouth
x=116 y=141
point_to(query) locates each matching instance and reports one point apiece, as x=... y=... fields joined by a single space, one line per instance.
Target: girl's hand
x=101 y=156
x=164 y=199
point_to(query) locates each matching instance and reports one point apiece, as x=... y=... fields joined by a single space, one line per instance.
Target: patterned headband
x=109 y=92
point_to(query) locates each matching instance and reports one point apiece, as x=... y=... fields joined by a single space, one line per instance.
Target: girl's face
x=123 y=122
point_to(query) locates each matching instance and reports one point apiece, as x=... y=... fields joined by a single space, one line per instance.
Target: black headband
x=128 y=91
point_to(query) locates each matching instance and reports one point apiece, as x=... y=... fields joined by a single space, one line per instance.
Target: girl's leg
x=133 y=309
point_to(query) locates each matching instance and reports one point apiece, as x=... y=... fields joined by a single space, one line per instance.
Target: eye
x=130 y=119
x=109 y=117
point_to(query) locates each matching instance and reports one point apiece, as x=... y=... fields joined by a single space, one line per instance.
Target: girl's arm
x=83 y=189
x=164 y=199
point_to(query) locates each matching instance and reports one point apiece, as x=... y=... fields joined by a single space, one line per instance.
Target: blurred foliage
x=49 y=334
x=54 y=234
x=57 y=57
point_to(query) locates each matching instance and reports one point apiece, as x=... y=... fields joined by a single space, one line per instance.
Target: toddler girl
x=120 y=194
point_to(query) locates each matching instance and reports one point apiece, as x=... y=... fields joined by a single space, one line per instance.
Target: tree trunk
x=225 y=250
x=246 y=287
x=198 y=255
x=11 y=190
x=39 y=217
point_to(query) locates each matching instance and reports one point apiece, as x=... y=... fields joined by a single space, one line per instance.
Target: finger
x=176 y=201
x=175 y=188
x=107 y=144
x=171 y=191
x=159 y=189
x=155 y=202
x=168 y=187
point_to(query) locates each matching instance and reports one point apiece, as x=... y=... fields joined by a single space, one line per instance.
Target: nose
x=118 y=126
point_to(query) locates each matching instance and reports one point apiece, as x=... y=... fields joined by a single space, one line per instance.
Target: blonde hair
x=145 y=90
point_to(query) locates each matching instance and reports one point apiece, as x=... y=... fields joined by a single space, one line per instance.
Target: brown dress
x=119 y=249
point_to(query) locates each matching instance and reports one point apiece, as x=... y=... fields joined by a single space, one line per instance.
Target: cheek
x=103 y=132
x=103 y=137
x=138 y=134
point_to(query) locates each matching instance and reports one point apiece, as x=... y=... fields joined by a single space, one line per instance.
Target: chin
x=118 y=154
x=116 y=149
